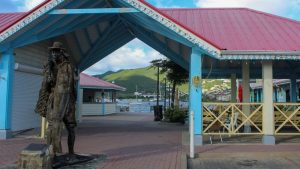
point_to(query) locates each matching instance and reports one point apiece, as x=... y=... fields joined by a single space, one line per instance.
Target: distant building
x=98 y=97
x=218 y=93
x=281 y=91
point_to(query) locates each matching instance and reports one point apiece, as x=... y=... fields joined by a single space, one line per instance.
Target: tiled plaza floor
x=134 y=141
x=246 y=160
x=248 y=153
x=129 y=141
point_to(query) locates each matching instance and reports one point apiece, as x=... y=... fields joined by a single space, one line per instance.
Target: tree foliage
x=174 y=73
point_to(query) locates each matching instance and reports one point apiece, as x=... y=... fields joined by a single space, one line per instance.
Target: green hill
x=106 y=74
x=144 y=79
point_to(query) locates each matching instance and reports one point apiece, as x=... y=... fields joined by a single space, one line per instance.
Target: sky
x=136 y=54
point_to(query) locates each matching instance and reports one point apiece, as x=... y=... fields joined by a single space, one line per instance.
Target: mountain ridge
x=143 y=80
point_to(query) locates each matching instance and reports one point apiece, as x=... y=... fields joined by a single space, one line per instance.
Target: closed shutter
x=25 y=95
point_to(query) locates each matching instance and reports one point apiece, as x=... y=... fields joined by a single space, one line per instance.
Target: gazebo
x=210 y=43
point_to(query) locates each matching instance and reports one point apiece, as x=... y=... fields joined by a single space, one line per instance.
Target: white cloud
x=29 y=4
x=279 y=7
x=127 y=57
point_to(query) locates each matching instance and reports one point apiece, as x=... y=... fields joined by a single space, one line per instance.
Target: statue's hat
x=57 y=45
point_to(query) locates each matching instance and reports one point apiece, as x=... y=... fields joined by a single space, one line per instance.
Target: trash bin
x=158 y=114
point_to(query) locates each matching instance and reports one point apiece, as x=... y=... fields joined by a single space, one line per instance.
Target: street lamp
x=165 y=100
x=157 y=110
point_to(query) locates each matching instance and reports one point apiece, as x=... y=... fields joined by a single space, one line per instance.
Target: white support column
x=79 y=106
x=79 y=99
x=293 y=90
x=276 y=94
x=268 y=109
x=103 y=102
x=246 y=93
x=233 y=88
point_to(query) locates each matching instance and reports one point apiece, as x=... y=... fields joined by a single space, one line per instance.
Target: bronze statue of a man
x=57 y=98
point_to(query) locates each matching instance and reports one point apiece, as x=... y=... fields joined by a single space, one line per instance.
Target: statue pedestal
x=36 y=156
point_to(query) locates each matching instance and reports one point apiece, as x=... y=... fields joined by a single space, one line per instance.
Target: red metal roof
x=179 y=23
x=7 y=19
x=225 y=28
x=89 y=81
x=241 y=28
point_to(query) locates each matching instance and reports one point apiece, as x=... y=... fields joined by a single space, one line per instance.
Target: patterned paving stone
x=129 y=141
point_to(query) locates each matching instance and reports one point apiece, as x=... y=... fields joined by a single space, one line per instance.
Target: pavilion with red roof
x=98 y=97
x=87 y=81
x=210 y=43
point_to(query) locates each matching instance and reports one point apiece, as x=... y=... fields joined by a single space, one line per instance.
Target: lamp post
x=169 y=95
x=156 y=110
x=165 y=100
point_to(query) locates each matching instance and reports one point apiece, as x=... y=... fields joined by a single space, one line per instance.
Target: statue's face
x=56 y=54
